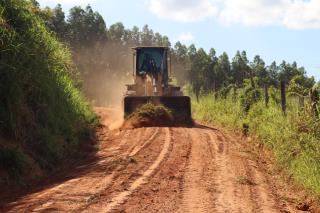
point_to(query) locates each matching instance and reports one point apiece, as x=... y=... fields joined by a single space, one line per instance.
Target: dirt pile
x=151 y=115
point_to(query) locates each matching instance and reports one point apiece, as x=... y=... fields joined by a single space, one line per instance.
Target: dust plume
x=105 y=71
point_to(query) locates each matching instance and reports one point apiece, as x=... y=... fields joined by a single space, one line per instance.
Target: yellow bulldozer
x=152 y=71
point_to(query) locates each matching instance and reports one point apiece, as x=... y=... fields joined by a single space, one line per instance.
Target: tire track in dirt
x=68 y=196
x=226 y=198
x=66 y=192
x=197 y=193
x=130 y=168
x=239 y=185
x=138 y=148
x=143 y=137
x=163 y=191
x=121 y=197
x=150 y=170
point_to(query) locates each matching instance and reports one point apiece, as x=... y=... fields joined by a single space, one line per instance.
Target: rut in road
x=177 y=169
x=76 y=192
x=120 y=198
x=214 y=175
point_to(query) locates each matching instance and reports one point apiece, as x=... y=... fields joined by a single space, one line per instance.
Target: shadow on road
x=76 y=167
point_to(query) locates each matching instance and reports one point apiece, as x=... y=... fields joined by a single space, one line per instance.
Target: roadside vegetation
x=293 y=138
x=43 y=115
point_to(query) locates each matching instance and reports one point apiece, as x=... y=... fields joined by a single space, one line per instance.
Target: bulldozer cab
x=152 y=61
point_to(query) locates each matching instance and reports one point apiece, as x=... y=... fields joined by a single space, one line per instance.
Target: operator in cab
x=148 y=66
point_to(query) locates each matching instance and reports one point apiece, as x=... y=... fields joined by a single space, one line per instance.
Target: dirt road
x=197 y=169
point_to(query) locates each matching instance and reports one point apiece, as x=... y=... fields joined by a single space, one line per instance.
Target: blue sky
x=274 y=29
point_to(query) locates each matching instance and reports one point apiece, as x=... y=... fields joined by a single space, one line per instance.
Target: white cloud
x=186 y=37
x=303 y=14
x=182 y=10
x=252 y=12
x=293 y=14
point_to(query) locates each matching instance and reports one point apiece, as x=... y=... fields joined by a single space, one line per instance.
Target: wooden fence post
x=301 y=103
x=234 y=95
x=266 y=95
x=283 y=96
x=314 y=99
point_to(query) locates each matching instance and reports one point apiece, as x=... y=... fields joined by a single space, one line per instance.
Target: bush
x=249 y=95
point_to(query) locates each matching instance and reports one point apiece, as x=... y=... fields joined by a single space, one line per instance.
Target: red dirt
x=159 y=169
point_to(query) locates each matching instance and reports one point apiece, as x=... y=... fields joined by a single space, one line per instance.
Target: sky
x=274 y=29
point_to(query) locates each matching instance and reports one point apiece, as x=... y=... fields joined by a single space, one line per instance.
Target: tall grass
x=294 y=139
x=41 y=108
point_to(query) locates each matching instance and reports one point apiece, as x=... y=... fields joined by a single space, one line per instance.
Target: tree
x=288 y=71
x=85 y=27
x=222 y=72
x=116 y=33
x=259 y=70
x=240 y=68
x=300 y=85
x=180 y=62
x=147 y=36
x=273 y=74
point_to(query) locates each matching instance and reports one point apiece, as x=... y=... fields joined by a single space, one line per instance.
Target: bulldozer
x=152 y=72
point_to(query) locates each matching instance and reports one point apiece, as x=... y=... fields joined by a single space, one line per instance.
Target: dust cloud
x=104 y=81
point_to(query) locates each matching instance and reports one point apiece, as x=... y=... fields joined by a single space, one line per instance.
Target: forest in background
x=104 y=59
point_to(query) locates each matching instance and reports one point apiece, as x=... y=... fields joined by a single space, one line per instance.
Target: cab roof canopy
x=147 y=47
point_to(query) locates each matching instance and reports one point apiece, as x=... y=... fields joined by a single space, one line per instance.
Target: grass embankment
x=43 y=115
x=294 y=139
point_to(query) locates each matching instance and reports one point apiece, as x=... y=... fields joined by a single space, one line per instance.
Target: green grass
x=226 y=112
x=294 y=139
x=41 y=107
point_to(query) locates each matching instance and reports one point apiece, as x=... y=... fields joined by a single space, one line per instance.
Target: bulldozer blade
x=177 y=104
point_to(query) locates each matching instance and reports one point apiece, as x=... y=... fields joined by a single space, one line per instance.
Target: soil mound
x=149 y=115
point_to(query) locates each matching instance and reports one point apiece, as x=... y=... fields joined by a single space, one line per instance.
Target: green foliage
x=13 y=160
x=300 y=85
x=293 y=139
x=250 y=95
x=223 y=111
x=41 y=107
